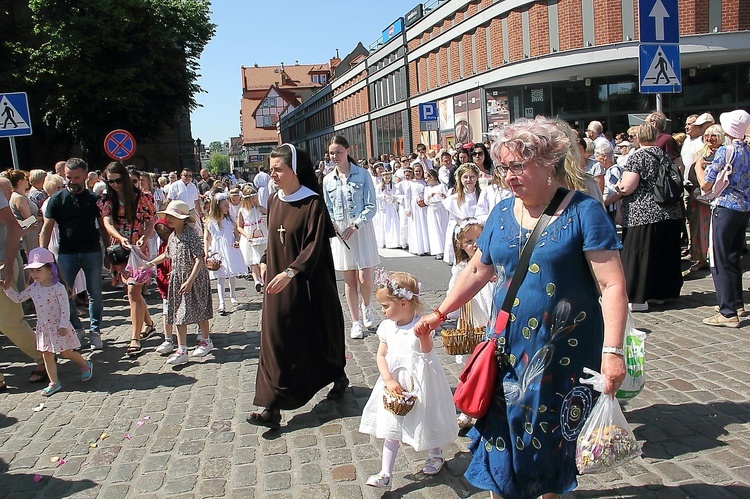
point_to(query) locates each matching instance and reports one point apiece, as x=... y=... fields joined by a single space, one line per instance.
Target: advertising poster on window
x=498 y=115
x=474 y=105
x=445 y=116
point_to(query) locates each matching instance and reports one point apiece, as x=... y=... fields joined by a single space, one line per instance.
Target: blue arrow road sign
x=428 y=111
x=14 y=115
x=659 y=69
x=659 y=21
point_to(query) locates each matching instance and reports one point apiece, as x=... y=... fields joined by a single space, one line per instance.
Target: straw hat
x=178 y=209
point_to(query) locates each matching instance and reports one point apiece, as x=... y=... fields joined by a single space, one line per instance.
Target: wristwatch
x=290 y=273
x=614 y=350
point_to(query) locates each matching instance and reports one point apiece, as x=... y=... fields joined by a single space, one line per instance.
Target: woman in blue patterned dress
x=525 y=445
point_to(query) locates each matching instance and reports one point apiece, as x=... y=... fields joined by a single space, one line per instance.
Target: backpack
x=668 y=185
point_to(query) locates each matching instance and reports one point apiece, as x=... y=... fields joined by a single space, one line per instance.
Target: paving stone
x=216 y=468
x=184 y=466
x=191 y=448
x=277 y=481
x=245 y=475
x=344 y=473
x=157 y=462
x=149 y=482
x=179 y=485
x=275 y=463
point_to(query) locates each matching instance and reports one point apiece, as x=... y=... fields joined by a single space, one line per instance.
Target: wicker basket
x=398 y=404
x=213 y=262
x=463 y=339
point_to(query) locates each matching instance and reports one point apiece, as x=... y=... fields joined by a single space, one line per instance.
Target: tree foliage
x=99 y=65
x=215 y=146
x=218 y=163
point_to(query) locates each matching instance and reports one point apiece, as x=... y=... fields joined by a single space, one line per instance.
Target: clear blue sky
x=269 y=32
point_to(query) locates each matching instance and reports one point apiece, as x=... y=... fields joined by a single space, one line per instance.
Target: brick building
x=489 y=62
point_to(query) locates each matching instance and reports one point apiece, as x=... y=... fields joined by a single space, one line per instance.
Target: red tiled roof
x=265 y=76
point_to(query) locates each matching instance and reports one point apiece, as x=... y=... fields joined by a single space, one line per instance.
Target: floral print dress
x=195 y=306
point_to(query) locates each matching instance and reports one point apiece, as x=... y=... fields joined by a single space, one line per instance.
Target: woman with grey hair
x=525 y=445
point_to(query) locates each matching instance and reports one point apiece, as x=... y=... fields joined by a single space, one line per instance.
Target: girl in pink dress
x=54 y=332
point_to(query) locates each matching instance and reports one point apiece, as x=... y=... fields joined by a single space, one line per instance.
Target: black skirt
x=651 y=261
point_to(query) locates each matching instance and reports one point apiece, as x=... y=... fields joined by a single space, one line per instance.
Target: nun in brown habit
x=302 y=332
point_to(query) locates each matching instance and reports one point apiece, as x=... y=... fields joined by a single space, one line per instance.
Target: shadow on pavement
x=7 y=422
x=674 y=430
x=688 y=491
x=38 y=485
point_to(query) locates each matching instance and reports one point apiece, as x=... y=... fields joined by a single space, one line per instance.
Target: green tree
x=218 y=163
x=106 y=64
x=214 y=146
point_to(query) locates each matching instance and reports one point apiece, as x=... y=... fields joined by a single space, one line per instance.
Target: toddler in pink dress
x=54 y=332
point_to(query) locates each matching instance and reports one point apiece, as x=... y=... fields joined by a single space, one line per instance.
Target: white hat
x=735 y=123
x=623 y=143
x=703 y=119
x=178 y=209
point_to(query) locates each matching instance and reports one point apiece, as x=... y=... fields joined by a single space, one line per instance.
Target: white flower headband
x=382 y=280
x=465 y=223
x=221 y=196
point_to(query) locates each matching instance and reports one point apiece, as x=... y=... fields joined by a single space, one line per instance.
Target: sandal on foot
x=151 y=329
x=433 y=465
x=265 y=418
x=380 y=481
x=86 y=375
x=51 y=388
x=134 y=350
x=39 y=375
x=339 y=388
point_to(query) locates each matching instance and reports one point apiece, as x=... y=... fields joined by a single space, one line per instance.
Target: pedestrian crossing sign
x=14 y=115
x=659 y=69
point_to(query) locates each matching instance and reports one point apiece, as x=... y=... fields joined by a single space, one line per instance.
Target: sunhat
x=178 y=209
x=735 y=123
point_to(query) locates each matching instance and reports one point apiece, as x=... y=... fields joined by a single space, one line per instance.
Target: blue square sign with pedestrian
x=14 y=115
x=659 y=69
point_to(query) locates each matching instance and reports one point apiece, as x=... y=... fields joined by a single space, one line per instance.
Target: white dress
x=456 y=213
x=232 y=263
x=437 y=217
x=488 y=198
x=388 y=215
x=432 y=421
x=363 y=245
x=481 y=304
x=419 y=243
x=403 y=192
x=253 y=223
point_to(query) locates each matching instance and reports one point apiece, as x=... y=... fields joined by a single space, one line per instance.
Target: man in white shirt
x=185 y=190
x=444 y=173
x=694 y=127
x=595 y=131
x=422 y=157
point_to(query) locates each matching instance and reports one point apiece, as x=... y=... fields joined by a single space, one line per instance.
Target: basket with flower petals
x=466 y=336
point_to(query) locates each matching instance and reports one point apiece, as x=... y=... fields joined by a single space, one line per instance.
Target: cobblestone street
x=181 y=432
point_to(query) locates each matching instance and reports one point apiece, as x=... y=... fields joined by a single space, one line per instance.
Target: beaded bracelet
x=440 y=315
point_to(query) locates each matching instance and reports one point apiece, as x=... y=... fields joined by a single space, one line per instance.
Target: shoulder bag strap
x=528 y=248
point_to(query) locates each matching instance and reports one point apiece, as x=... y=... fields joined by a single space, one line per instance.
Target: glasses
x=710 y=135
x=113 y=181
x=187 y=175
x=631 y=136
x=477 y=153
x=515 y=167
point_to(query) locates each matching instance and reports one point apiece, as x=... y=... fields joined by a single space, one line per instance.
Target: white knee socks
x=390 y=448
x=221 y=284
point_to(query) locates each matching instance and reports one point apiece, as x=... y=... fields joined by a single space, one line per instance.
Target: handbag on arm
x=477 y=381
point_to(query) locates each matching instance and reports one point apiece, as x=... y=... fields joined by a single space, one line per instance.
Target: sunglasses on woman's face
x=113 y=181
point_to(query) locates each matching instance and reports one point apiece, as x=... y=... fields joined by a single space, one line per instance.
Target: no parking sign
x=119 y=145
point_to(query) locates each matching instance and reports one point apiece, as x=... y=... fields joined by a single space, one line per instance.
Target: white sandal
x=433 y=464
x=380 y=481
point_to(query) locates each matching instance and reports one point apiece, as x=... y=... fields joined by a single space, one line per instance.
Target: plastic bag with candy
x=606 y=439
x=136 y=271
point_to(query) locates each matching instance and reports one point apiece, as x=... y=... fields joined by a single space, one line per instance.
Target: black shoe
x=339 y=388
x=258 y=287
x=267 y=418
x=438 y=257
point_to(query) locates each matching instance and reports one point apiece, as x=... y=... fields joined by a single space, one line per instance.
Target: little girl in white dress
x=254 y=232
x=221 y=241
x=407 y=364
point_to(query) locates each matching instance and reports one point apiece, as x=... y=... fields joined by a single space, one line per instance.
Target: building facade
x=488 y=62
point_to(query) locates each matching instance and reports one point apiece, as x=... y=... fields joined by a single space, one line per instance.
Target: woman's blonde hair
x=36 y=176
x=400 y=281
x=712 y=130
x=646 y=133
x=51 y=183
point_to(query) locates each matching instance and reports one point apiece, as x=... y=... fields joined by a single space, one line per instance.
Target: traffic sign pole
x=13 y=152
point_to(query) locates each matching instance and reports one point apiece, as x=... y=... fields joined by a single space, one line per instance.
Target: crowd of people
x=475 y=207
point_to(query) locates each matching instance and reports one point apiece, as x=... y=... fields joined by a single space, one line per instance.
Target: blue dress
x=525 y=446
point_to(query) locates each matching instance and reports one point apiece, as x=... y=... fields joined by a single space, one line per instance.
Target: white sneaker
x=380 y=481
x=368 y=317
x=233 y=300
x=178 y=358
x=357 y=333
x=165 y=348
x=204 y=346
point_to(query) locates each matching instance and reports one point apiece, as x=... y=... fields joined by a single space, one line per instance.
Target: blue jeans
x=91 y=264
